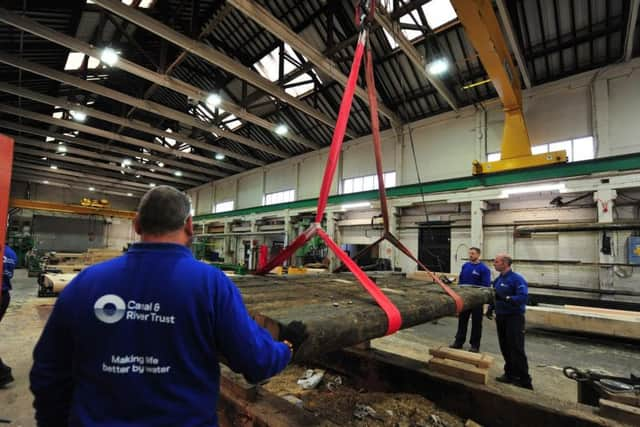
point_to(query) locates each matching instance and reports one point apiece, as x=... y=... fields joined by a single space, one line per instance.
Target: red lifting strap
x=393 y=314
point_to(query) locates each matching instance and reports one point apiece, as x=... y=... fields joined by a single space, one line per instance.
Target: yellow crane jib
x=483 y=30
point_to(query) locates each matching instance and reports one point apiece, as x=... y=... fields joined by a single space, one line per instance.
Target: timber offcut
x=339 y=313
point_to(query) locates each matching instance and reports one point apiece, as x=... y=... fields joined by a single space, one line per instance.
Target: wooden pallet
x=469 y=366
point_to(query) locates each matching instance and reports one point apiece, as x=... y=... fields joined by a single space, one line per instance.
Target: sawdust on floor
x=337 y=400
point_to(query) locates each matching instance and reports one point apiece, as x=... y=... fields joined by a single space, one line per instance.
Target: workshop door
x=434 y=247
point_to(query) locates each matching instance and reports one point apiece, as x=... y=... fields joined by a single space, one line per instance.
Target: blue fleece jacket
x=135 y=341
x=9 y=261
x=513 y=285
x=474 y=274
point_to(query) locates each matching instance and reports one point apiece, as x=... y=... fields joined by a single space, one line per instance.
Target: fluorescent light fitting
x=213 y=100
x=151 y=184
x=78 y=115
x=219 y=156
x=54 y=167
x=92 y=189
x=560 y=187
x=160 y=164
x=355 y=205
x=43 y=158
x=177 y=173
x=109 y=56
x=126 y=162
x=281 y=130
x=62 y=149
x=137 y=176
x=438 y=67
x=45 y=182
x=130 y=194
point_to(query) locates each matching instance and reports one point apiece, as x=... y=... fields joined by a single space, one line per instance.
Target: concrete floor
x=547 y=352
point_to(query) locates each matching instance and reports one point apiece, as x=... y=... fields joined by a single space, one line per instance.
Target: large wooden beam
x=213 y=56
x=76 y=209
x=261 y=16
x=142 y=104
x=109 y=148
x=20 y=175
x=125 y=122
x=414 y=56
x=164 y=80
x=166 y=175
x=112 y=135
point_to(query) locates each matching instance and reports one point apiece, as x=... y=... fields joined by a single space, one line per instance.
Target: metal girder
x=108 y=134
x=513 y=42
x=632 y=24
x=164 y=80
x=74 y=175
x=213 y=56
x=73 y=209
x=25 y=174
x=414 y=56
x=111 y=148
x=261 y=16
x=166 y=175
x=57 y=159
x=142 y=104
x=124 y=122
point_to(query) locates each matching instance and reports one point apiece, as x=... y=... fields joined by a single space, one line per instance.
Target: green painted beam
x=607 y=164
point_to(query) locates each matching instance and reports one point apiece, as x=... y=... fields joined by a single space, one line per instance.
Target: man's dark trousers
x=511 y=338
x=476 y=327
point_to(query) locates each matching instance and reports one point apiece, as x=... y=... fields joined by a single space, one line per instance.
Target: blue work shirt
x=513 y=285
x=9 y=261
x=136 y=341
x=475 y=274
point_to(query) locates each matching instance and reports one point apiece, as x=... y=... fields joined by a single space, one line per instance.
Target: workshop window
x=437 y=13
x=269 y=67
x=223 y=206
x=366 y=183
x=279 y=197
x=577 y=149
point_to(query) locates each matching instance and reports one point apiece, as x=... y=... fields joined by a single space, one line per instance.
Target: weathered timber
x=339 y=313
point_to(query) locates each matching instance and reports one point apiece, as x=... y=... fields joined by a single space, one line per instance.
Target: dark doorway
x=434 y=246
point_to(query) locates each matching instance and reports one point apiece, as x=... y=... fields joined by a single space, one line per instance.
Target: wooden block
x=620 y=412
x=610 y=311
x=236 y=385
x=480 y=360
x=458 y=369
x=471 y=423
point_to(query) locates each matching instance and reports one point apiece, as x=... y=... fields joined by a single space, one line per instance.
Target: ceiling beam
x=57 y=159
x=214 y=57
x=54 y=182
x=75 y=176
x=164 y=80
x=142 y=104
x=112 y=135
x=507 y=25
x=166 y=174
x=414 y=56
x=48 y=176
x=111 y=148
x=630 y=34
x=263 y=17
x=132 y=124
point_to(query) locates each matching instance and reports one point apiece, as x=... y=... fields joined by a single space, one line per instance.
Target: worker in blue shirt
x=137 y=340
x=473 y=273
x=9 y=261
x=511 y=292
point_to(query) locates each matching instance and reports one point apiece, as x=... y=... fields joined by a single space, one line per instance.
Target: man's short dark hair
x=163 y=209
x=473 y=248
x=508 y=259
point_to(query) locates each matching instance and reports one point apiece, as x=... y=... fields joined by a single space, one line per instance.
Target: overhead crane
x=483 y=30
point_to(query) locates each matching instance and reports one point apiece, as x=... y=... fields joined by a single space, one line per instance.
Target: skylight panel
x=438 y=13
x=268 y=66
x=232 y=122
x=301 y=88
x=74 y=61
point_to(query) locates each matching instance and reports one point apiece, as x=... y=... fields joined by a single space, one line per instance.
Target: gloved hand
x=489 y=313
x=294 y=333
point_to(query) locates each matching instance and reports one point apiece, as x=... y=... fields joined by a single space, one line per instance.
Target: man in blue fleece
x=473 y=273
x=136 y=340
x=511 y=292
x=9 y=261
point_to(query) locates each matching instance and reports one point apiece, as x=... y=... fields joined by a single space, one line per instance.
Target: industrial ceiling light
x=177 y=173
x=152 y=170
x=213 y=100
x=78 y=115
x=62 y=149
x=219 y=156
x=92 y=189
x=130 y=194
x=54 y=167
x=43 y=158
x=126 y=162
x=281 y=130
x=109 y=56
x=151 y=184
x=561 y=187
x=45 y=182
x=438 y=67
x=160 y=164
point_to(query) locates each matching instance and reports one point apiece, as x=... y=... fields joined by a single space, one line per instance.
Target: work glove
x=294 y=334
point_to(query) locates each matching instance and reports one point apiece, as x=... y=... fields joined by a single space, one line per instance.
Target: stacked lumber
x=473 y=367
x=620 y=412
x=67 y=262
x=591 y=320
x=53 y=282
